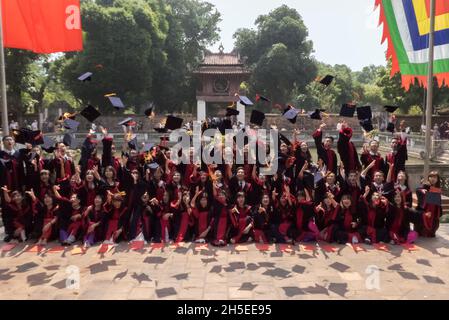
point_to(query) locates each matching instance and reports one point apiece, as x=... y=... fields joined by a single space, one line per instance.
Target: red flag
x=42 y=26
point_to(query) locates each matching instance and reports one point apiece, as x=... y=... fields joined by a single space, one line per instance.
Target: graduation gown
x=328 y=156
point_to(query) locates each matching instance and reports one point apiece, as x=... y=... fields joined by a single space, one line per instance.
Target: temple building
x=219 y=78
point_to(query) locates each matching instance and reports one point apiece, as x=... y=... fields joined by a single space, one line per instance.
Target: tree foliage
x=279 y=53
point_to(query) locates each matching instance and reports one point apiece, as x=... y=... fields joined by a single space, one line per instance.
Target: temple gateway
x=220 y=75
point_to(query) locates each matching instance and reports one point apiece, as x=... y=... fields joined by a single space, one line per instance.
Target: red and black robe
x=328 y=156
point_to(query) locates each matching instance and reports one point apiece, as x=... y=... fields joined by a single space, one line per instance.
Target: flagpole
x=429 y=106
x=5 y=124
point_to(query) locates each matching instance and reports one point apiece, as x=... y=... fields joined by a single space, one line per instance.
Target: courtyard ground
x=190 y=271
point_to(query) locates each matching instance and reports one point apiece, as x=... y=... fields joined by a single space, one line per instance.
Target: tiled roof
x=220 y=59
x=222 y=70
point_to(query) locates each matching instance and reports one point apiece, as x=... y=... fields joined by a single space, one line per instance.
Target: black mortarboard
x=173 y=123
x=364 y=113
x=127 y=122
x=232 y=112
x=316 y=115
x=25 y=135
x=90 y=113
x=85 y=77
x=69 y=140
x=116 y=102
x=259 y=97
x=347 y=110
x=49 y=144
x=20 y=136
x=284 y=139
x=36 y=138
x=148 y=112
x=327 y=80
x=367 y=125
x=257 y=117
x=391 y=127
x=433 y=198
x=245 y=101
x=132 y=144
x=71 y=124
x=291 y=114
x=391 y=109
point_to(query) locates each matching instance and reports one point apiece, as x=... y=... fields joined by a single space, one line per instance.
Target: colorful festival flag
x=42 y=26
x=406 y=30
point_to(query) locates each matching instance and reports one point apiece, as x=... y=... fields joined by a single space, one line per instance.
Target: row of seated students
x=143 y=195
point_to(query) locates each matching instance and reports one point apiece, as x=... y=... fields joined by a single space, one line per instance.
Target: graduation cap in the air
x=364 y=113
x=90 y=113
x=85 y=77
x=260 y=97
x=284 y=139
x=69 y=140
x=316 y=115
x=347 y=110
x=245 y=101
x=49 y=144
x=367 y=125
x=128 y=122
x=391 y=109
x=173 y=123
x=25 y=135
x=327 y=80
x=36 y=138
x=232 y=112
x=70 y=124
x=391 y=127
x=116 y=102
x=291 y=114
x=257 y=117
x=20 y=135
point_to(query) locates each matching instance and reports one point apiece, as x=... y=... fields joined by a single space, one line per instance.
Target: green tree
x=193 y=25
x=123 y=42
x=279 y=52
x=19 y=76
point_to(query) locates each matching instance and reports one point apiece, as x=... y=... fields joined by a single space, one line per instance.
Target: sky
x=342 y=31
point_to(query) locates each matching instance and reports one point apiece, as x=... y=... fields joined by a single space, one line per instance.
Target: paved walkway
x=244 y=272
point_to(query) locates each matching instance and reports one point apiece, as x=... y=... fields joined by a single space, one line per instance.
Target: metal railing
x=416 y=144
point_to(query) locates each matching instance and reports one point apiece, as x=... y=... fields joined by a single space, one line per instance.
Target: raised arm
x=367 y=169
x=6 y=194
x=318 y=137
x=390 y=172
x=197 y=194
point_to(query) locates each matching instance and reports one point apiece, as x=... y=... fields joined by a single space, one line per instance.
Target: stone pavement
x=190 y=271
